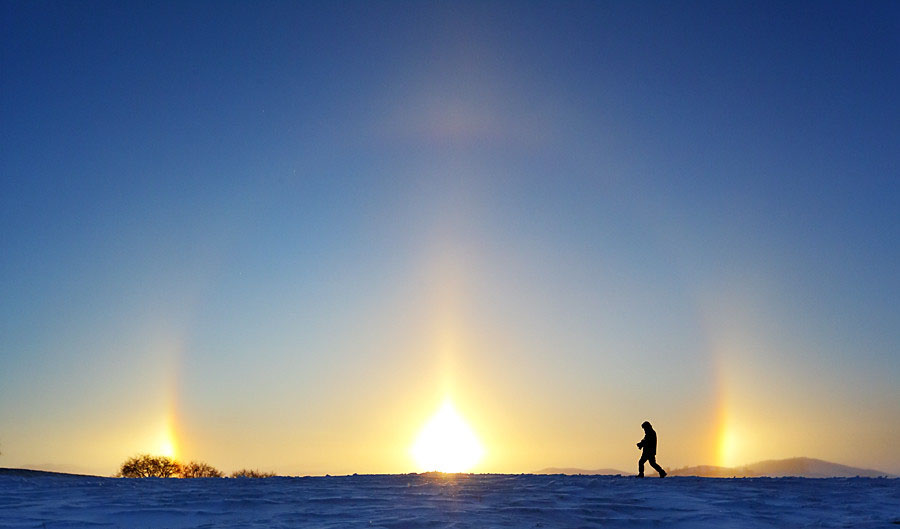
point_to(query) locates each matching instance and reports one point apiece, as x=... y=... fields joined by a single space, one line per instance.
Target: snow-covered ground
x=432 y=501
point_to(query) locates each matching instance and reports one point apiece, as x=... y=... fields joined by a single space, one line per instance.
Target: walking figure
x=648 y=454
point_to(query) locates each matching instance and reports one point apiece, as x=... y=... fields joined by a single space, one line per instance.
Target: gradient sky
x=278 y=235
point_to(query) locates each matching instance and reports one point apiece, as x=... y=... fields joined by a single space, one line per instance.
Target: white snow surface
x=457 y=501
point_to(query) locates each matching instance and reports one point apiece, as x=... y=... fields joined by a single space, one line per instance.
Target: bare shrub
x=199 y=469
x=247 y=473
x=147 y=466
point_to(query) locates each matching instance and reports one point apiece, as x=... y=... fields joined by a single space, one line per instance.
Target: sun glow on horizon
x=446 y=443
x=167 y=442
x=728 y=448
x=166 y=448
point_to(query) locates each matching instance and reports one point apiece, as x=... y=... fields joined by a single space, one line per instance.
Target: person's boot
x=663 y=473
x=640 y=475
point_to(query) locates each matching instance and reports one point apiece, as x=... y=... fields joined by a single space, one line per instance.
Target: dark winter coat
x=648 y=443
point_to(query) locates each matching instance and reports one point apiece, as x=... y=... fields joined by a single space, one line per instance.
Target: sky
x=285 y=235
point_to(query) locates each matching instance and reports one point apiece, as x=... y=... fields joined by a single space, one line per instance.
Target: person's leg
x=641 y=465
x=662 y=473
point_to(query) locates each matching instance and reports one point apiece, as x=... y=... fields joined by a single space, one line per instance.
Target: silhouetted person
x=648 y=454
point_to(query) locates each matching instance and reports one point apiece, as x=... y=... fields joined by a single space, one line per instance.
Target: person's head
x=646 y=425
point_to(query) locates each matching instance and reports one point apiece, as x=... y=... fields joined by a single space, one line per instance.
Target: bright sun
x=166 y=442
x=166 y=448
x=446 y=443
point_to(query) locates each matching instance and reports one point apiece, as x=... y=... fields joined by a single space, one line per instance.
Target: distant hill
x=574 y=471
x=27 y=472
x=804 y=467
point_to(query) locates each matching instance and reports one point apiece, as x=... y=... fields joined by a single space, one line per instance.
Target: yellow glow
x=167 y=444
x=728 y=447
x=166 y=448
x=446 y=443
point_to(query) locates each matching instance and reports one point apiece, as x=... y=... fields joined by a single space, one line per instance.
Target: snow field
x=451 y=501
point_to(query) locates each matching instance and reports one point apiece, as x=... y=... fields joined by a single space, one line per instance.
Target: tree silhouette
x=147 y=466
x=247 y=473
x=199 y=469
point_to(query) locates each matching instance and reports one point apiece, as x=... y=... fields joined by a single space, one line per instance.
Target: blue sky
x=315 y=222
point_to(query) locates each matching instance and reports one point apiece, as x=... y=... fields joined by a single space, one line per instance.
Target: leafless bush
x=199 y=469
x=147 y=466
x=247 y=473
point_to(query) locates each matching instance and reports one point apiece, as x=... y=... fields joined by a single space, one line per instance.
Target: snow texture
x=458 y=501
